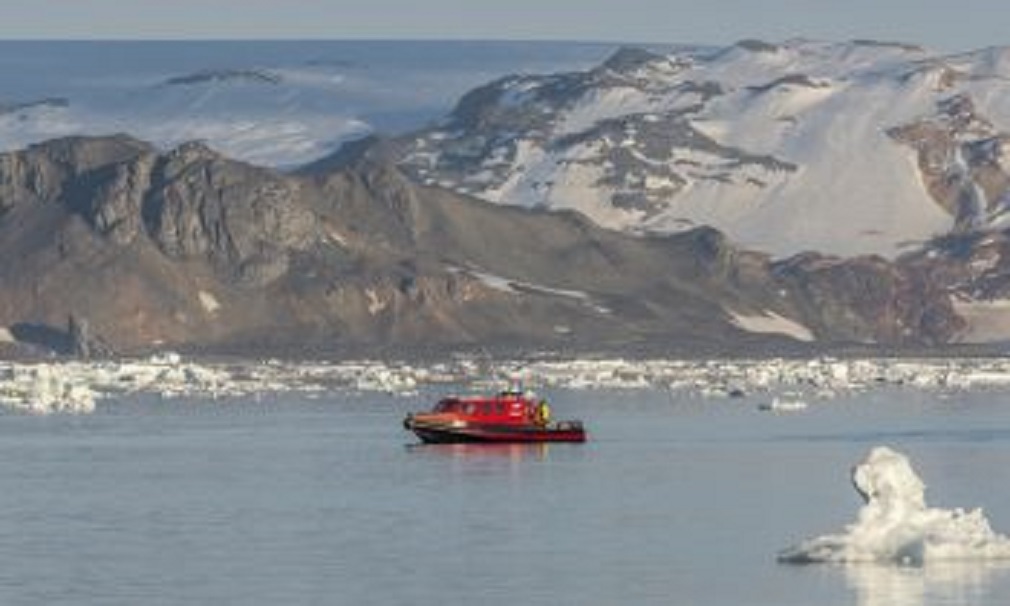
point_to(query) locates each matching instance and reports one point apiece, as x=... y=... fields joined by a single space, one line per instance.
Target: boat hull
x=438 y=433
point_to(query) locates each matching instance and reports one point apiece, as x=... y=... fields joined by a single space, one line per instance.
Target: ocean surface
x=288 y=500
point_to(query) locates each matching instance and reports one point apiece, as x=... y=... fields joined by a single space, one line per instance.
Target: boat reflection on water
x=465 y=463
x=538 y=451
x=934 y=583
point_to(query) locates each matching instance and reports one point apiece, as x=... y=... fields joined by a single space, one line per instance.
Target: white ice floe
x=896 y=527
x=45 y=389
x=59 y=386
x=778 y=404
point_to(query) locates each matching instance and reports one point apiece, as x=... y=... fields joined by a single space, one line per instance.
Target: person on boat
x=543 y=413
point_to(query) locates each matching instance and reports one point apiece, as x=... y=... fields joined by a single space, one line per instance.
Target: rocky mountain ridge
x=190 y=249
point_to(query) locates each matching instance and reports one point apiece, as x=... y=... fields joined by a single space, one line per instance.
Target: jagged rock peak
x=757 y=46
x=193 y=151
x=255 y=76
x=630 y=58
x=83 y=153
x=912 y=48
x=794 y=79
x=50 y=171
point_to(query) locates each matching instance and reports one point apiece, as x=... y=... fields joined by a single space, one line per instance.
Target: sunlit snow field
x=683 y=495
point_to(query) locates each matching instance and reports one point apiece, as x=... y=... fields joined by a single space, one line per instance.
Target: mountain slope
x=851 y=148
x=191 y=249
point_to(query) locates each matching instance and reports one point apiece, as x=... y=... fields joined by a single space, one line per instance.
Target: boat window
x=499 y=408
x=470 y=409
x=485 y=408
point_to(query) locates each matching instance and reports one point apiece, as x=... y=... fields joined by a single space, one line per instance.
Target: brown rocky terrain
x=191 y=250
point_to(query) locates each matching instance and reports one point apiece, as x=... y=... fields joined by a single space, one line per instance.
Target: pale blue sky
x=941 y=24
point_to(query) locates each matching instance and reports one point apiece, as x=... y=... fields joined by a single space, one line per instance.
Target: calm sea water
x=288 y=501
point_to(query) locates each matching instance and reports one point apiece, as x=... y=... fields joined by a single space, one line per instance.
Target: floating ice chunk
x=896 y=527
x=45 y=389
x=783 y=405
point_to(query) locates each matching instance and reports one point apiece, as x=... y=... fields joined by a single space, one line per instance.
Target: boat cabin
x=507 y=407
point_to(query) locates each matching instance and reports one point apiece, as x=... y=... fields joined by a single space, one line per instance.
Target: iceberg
x=896 y=527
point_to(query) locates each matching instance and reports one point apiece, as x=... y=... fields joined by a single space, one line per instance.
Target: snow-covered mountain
x=275 y=103
x=844 y=148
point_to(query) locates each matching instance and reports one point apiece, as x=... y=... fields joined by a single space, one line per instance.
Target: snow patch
x=375 y=302
x=605 y=104
x=511 y=286
x=769 y=322
x=336 y=237
x=210 y=303
x=6 y=336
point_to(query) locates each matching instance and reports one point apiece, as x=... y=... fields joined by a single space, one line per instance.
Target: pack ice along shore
x=78 y=386
x=758 y=198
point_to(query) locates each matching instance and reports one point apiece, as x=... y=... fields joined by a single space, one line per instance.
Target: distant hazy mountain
x=848 y=148
x=275 y=103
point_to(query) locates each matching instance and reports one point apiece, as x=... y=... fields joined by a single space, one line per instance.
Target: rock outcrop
x=963 y=160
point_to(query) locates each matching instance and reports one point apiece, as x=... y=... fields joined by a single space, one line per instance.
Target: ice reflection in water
x=936 y=583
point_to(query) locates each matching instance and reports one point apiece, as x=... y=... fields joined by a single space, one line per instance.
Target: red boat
x=510 y=416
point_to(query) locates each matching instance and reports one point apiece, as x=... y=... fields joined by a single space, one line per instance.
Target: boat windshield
x=447 y=406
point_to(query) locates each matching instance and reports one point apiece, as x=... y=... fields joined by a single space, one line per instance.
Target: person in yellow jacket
x=543 y=413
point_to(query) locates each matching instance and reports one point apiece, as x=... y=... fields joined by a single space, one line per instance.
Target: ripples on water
x=290 y=501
